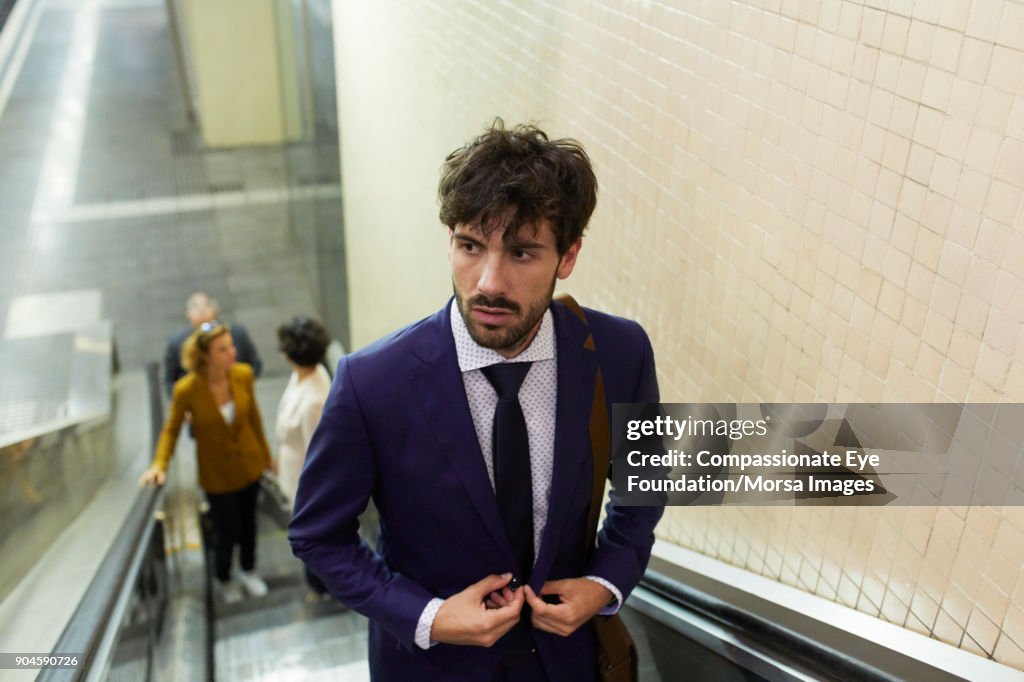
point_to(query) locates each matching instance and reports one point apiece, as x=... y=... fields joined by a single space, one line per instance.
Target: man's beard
x=498 y=338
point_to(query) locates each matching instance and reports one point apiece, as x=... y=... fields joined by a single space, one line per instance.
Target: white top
x=227 y=410
x=298 y=413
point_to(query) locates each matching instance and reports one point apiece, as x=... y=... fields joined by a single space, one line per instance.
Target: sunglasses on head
x=210 y=330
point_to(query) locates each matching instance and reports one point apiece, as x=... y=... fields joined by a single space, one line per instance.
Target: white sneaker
x=252 y=583
x=230 y=592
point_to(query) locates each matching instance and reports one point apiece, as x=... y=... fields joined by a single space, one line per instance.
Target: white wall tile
x=825 y=194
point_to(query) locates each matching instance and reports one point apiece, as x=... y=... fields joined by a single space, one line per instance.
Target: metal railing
x=764 y=638
x=134 y=564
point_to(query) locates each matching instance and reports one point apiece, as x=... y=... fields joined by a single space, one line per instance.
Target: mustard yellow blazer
x=230 y=457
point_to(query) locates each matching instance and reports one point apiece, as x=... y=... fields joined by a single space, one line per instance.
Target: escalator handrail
x=91 y=629
x=783 y=633
x=90 y=625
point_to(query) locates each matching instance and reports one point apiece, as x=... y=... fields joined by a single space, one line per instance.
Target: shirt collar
x=472 y=355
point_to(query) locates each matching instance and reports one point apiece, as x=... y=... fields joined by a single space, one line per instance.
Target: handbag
x=617 y=659
x=272 y=501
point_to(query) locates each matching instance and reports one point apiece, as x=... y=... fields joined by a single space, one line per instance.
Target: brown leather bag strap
x=569 y=302
x=617 y=659
x=600 y=434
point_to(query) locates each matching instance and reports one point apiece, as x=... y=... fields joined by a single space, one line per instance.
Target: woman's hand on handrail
x=153 y=476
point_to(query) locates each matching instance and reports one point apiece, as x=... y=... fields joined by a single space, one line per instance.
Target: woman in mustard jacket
x=230 y=446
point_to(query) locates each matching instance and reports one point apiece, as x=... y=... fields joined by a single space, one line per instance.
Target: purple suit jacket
x=396 y=426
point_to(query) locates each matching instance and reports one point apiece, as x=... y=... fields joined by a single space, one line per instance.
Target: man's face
x=201 y=312
x=502 y=289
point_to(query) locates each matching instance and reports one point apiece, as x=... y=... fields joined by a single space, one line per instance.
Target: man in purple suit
x=469 y=429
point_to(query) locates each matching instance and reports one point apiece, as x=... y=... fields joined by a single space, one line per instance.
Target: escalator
x=152 y=614
x=285 y=634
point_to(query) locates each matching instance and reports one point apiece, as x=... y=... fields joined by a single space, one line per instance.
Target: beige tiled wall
x=801 y=200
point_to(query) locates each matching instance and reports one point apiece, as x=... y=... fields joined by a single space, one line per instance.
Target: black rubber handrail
x=88 y=626
x=91 y=622
x=6 y=6
x=784 y=634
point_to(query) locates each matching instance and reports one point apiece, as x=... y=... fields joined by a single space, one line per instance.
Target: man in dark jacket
x=469 y=429
x=199 y=308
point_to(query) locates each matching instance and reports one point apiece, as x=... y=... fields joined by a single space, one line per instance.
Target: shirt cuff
x=613 y=608
x=425 y=623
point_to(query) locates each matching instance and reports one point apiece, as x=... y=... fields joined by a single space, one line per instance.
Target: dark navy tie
x=511 y=451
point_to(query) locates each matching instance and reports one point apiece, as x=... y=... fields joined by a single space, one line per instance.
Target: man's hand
x=500 y=598
x=464 y=618
x=581 y=599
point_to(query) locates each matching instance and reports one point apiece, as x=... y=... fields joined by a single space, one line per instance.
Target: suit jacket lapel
x=441 y=395
x=577 y=366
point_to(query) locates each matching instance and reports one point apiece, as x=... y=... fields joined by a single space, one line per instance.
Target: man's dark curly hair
x=303 y=340
x=517 y=178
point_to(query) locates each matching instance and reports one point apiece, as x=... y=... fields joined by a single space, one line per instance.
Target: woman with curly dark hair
x=304 y=342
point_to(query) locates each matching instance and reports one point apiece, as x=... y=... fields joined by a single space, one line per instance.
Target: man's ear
x=568 y=260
